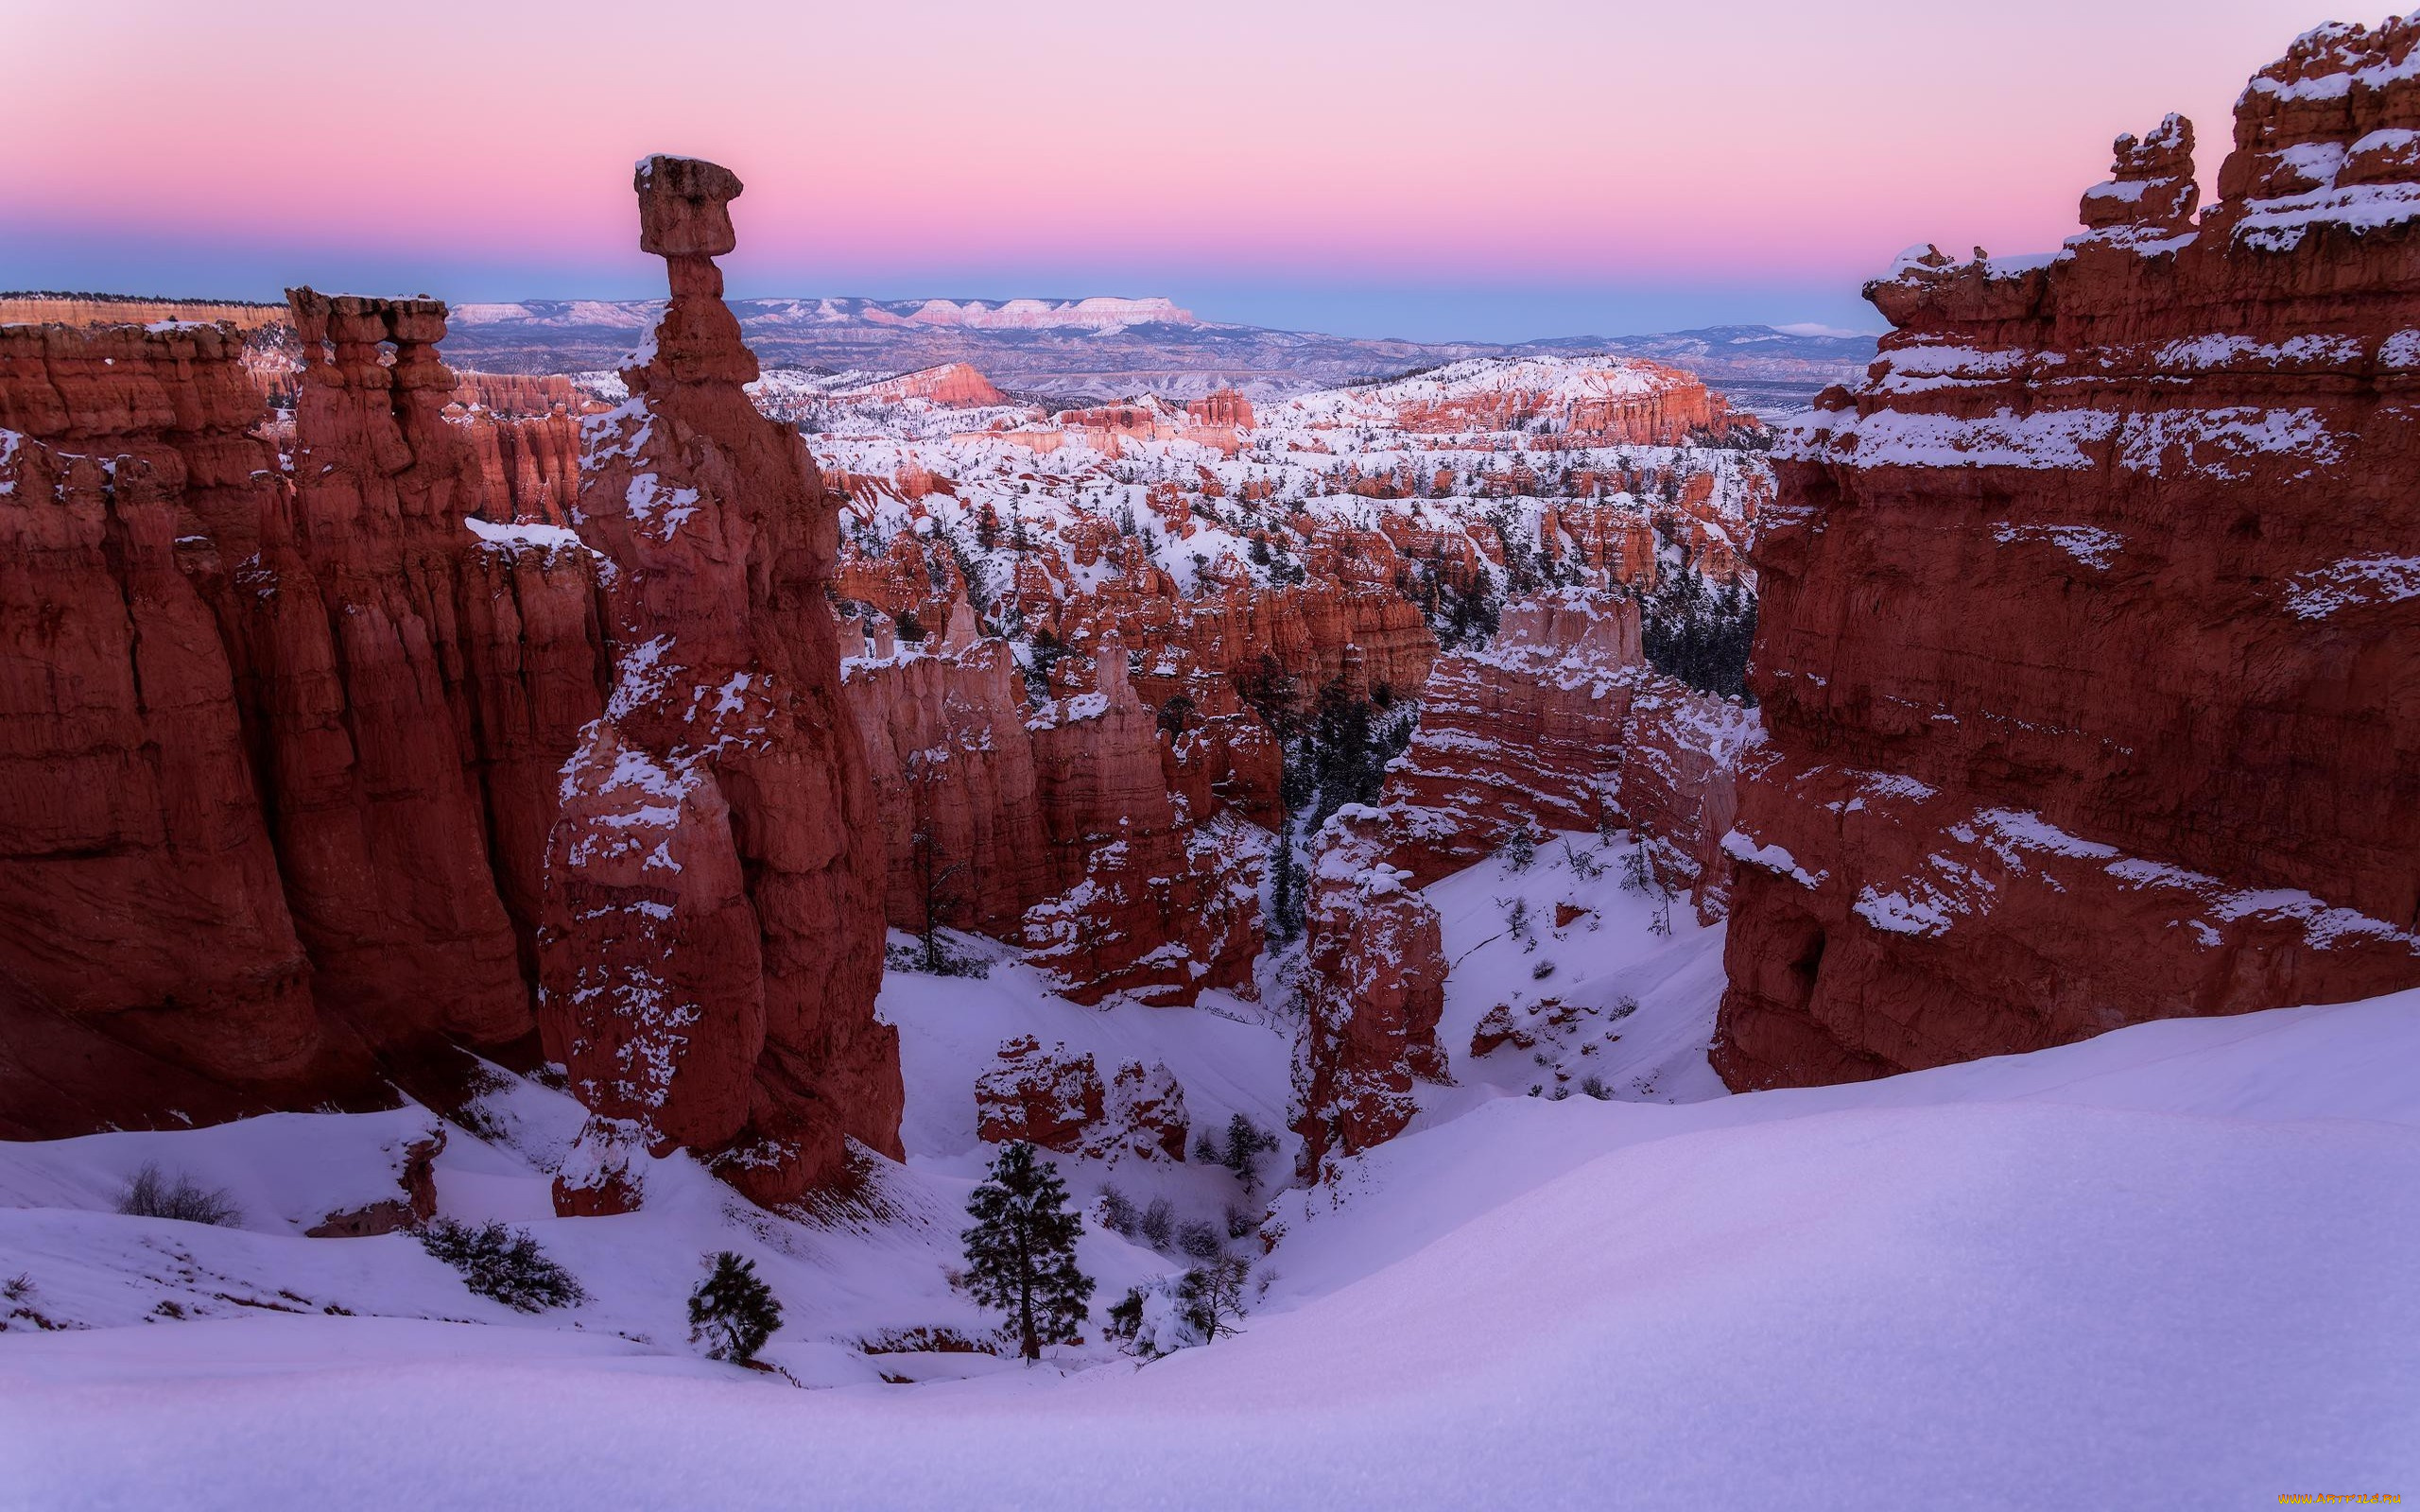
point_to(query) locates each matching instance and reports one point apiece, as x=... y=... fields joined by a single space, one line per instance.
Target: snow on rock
x=312 y=835
x=1559 y=723
x=1054 y=1098
x=1144 y=1115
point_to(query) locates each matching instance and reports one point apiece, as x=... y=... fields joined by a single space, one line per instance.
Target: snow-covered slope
x=2168 y=1267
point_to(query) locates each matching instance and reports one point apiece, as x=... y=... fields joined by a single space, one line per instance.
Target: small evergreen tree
x=1519 y=847
x=1247 y=1141
x=499 y=1260
x=1285 y=898
x=732 y=1312
x=1021 y=1252
x=1176 y=715
x=1045 y=652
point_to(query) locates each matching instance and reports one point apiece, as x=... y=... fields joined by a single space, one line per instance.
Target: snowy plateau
x=2167 y=1267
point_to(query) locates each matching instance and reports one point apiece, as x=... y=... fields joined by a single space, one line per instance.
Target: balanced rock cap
x=684 y=206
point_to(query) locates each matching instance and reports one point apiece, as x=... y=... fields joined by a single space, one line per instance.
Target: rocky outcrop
x=1049 y=1097
x=712 y=941
x=1682 y=751
x=1155 y=903
x=953 y=772
x=1608 y=399
x=1561 y=724
x=415 y=1173
x=148 y=957
x=1224 y=407
x=1218 y=422
x=1144 y=1113
x=1526 y=731
x=1373 y=987
x=516 y=393
x=2090 y=619
x=369 y=777
x=1053 y=1098
x=102 y=309
x=1078 y=829
x=528 y=464
x=524 y=431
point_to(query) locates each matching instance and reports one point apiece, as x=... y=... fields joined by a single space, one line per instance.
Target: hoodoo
x=713 y=935
x=2091 y=620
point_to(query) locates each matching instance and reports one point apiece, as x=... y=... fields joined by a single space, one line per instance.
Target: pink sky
x=1776 y=149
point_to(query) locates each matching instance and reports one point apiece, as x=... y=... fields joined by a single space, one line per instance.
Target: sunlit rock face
x=2091 y=620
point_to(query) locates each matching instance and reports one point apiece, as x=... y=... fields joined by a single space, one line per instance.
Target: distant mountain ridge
x=1109 y=347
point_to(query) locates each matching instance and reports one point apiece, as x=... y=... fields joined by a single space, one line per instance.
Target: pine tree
x=732 y=1312
x=1285 y=899
x=1247 y=1141
x=1021 y=1253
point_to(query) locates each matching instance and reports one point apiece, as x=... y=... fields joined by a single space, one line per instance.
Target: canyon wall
x=148 y=957
x=283 y=756
x=1076 y=828
x=2090 y=643
x=93 y=310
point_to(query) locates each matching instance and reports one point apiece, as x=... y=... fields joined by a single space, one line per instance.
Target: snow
x=542 y=538
x=2354 y=581
x=2088 y=544
x=2165 y=1268
x=1744 y=849
x=2057 y=438
x=2336 y=84
x=1922 y=915
x=2222 y=443
x=2279 y=223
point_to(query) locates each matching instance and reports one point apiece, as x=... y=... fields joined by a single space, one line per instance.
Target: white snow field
x=2174 y=1267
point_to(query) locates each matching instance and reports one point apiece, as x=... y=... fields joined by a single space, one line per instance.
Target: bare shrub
x=153 y=1195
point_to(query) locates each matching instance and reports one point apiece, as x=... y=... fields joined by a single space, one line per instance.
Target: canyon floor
x=2165 y=1268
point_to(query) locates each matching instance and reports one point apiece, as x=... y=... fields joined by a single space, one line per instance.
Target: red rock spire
x=712 y=939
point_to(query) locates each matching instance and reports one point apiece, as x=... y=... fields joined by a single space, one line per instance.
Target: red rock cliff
x=712 y=936
x=148 y=957
x=2091 y=620
x=282 y=759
